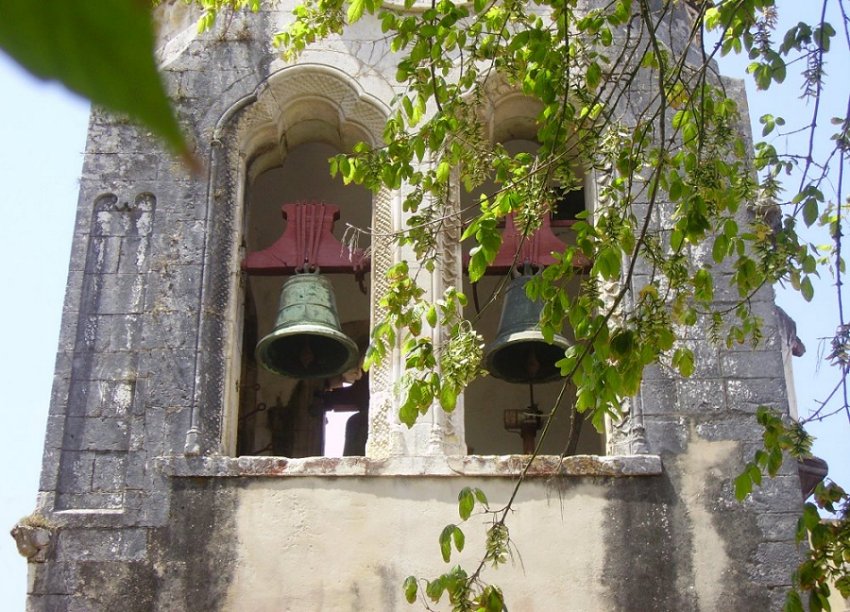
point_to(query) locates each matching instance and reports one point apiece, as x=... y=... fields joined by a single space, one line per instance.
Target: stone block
x=103 y=255
x=665 y=435
x=68 y=330
x=179 y=201
x=177 y=422
x=47 y=603
x=729 y=427
x=169 y=377
x=659 y=396
x=782 y=488
x=776 y=597
x=59 y=397
x=134 y=543
x=120 y=140
x=772 y=561
x=128 y=585
x=154 y=510
x=134 y=255
x=706 y=359
x=701 y=396
x=83 y=400
x=778 y=526
x=75 y=471
x=63 y=365
x=137 y=476
x=170 y=330
x=659 y=371
x=109 y=366
x=96 y=433
x=154 y=430
x=59 y=578
x=109 y=469
x=770 y=341
x=137 y=433
x=36 y=574
x=174 y=288
x=755 y=391
x=55 y=429
x=115 y=333
x=80 y=248
x=90 y=501
x=49 y=478
x=121 y=293
x=180 y=243
x=751 y=365
x=102 y=544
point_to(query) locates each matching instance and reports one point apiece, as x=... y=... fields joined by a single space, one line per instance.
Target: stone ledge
x=218 y=466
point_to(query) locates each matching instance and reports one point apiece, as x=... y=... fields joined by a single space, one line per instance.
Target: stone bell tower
x=180 y=473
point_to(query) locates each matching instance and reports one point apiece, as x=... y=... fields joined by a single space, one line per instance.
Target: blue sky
x=42 y=131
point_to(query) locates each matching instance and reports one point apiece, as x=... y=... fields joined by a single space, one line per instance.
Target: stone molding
x=510 y=466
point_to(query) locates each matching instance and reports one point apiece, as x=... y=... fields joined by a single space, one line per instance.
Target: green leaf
x=448 y=396
x=446 y=542
x=355 y=10
x=793 y=603
x=806 y=289
x=434 y=589
x=743 y=486
x=431 y=316
x=477 y=264
x=683 y=360
x=459 y=538
x=810 y=211
x=720 y=248
x=594 y=75
x=492 y=600
x=811 y=517
x=101 y=50
x=410 y=589
x=607 y=263
x=443 y=170
x=675 y=191
x=465 y=503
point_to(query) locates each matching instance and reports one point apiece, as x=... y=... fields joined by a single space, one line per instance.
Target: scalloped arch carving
x=309 y=103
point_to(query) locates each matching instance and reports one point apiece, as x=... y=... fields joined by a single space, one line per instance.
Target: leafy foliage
x=103 y=51
x=828 y=541
x=674 y=178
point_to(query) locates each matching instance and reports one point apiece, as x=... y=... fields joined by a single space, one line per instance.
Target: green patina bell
x=307 y=341
x=519 y=354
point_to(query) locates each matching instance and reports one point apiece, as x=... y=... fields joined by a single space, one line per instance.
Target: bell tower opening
x=305 y=328
x=506 y=410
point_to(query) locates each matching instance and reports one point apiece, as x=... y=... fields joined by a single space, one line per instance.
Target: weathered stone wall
x=145 y=510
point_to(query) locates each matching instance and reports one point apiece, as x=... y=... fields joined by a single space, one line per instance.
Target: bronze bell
x=307 y=341
x=519 y=354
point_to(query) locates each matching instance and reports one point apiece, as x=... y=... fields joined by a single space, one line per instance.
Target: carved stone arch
x=508 y=113
x=293 y=106
x=310 y=102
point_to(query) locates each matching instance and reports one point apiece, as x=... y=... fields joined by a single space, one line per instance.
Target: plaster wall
x=650 y=541
x=357 y=541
